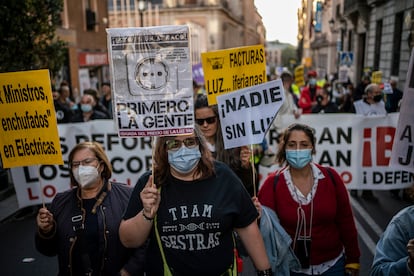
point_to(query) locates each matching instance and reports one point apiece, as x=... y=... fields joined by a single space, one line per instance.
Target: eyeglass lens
x=84 y=162
x=190 y=142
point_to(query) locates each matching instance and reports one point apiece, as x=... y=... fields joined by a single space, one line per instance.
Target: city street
x=19 y=256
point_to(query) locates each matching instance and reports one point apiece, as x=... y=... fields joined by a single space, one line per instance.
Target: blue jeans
x=338 y=269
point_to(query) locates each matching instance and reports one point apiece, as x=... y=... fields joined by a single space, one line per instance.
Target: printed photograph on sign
x=152 y=80
x=151 y=76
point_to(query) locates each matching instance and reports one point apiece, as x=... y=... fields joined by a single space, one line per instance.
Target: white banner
x=358 y=147
x=246 y=114
x=403 y=153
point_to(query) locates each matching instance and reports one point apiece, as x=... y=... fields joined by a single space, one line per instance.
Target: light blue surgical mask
x=184 y=160
x=86 y=107
x=299 y=158
x=312 y=81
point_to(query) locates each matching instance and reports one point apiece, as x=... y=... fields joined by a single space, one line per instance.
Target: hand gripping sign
x=246 y=114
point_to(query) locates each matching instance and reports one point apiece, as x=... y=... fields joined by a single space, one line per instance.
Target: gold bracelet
x=146 y=217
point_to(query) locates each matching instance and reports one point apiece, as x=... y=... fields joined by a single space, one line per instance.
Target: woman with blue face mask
x=187 y=210
x=313 y=206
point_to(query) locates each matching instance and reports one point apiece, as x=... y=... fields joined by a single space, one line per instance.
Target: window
x=396 y=44
x=377 y=48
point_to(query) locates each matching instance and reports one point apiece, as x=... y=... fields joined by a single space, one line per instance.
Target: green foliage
x=28 y=35
x=289 y=54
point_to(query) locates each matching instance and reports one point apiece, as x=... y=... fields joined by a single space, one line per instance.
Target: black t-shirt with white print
x=195 y=222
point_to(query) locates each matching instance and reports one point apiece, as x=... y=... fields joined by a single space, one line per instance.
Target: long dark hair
x=230 y=156
x=310 y=132
x=162 y=171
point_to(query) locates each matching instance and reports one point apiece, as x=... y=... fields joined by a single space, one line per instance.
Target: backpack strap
x=275 y=181
x=329 y=170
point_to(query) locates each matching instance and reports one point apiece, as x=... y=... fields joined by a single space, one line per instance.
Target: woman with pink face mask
x=81 y=224
x=312 y=204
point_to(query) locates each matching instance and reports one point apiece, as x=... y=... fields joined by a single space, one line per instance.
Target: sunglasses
x=209 y=120
x=174 y=145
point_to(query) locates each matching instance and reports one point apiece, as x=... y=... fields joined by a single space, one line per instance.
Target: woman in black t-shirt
x=188 y=208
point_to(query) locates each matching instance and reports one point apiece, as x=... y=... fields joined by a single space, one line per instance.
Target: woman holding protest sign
x=81 y=225
x=313 y=206
x=238 y=159
x=187 y=209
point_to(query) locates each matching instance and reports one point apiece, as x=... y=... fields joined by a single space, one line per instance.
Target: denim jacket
x=277 y=243
x=391 y=251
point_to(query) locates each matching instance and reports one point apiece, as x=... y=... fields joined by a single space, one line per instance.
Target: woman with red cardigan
x=312 y=204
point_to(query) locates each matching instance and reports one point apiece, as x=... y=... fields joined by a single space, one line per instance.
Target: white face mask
x=86 y=175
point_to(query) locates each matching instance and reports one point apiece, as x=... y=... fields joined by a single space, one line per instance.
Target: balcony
x=355 y=8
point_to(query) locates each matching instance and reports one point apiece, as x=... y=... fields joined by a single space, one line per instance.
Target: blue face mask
x=299 y=158
x=86 y=107
x=312 y=82
x=184 y=160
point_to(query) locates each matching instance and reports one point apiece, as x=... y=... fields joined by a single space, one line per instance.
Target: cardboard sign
x=152 y=80
x=246 y=114
x=233 y=69
x=29 y=134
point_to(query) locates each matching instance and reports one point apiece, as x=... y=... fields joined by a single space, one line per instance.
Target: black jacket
x=109 y=214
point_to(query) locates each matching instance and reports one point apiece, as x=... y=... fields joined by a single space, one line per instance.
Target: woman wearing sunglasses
x=238 y=159
x=187 y=209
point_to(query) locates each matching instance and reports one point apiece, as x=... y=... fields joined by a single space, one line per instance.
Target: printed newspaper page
x=151 y=80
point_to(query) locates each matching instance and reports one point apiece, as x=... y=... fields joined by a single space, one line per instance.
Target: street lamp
x=142 y=6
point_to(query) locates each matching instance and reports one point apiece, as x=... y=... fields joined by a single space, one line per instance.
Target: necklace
x=301 y=230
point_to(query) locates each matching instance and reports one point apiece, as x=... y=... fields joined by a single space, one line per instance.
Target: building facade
x=378 y=33
x=214 y=24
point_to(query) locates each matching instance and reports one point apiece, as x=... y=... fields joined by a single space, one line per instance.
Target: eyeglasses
x=174 y=145
x=84 y=162
x=209 y=120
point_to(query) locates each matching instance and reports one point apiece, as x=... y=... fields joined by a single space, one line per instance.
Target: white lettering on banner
x=358 y=148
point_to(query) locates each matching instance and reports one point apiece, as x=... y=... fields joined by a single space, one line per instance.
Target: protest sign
x=29 y=134
x=246 y=114
x=233 y=69
x=376 y=77
x=358 y=147
x=152 y=80
x=403 y=149
x=300 y=75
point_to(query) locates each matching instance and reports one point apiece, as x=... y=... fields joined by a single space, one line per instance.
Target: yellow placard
x=376 y=77
x=233 y=69
x=300 y=75
x=29 y=133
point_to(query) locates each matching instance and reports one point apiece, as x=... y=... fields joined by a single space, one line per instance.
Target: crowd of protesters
x=91 y=105
x=297 y=183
